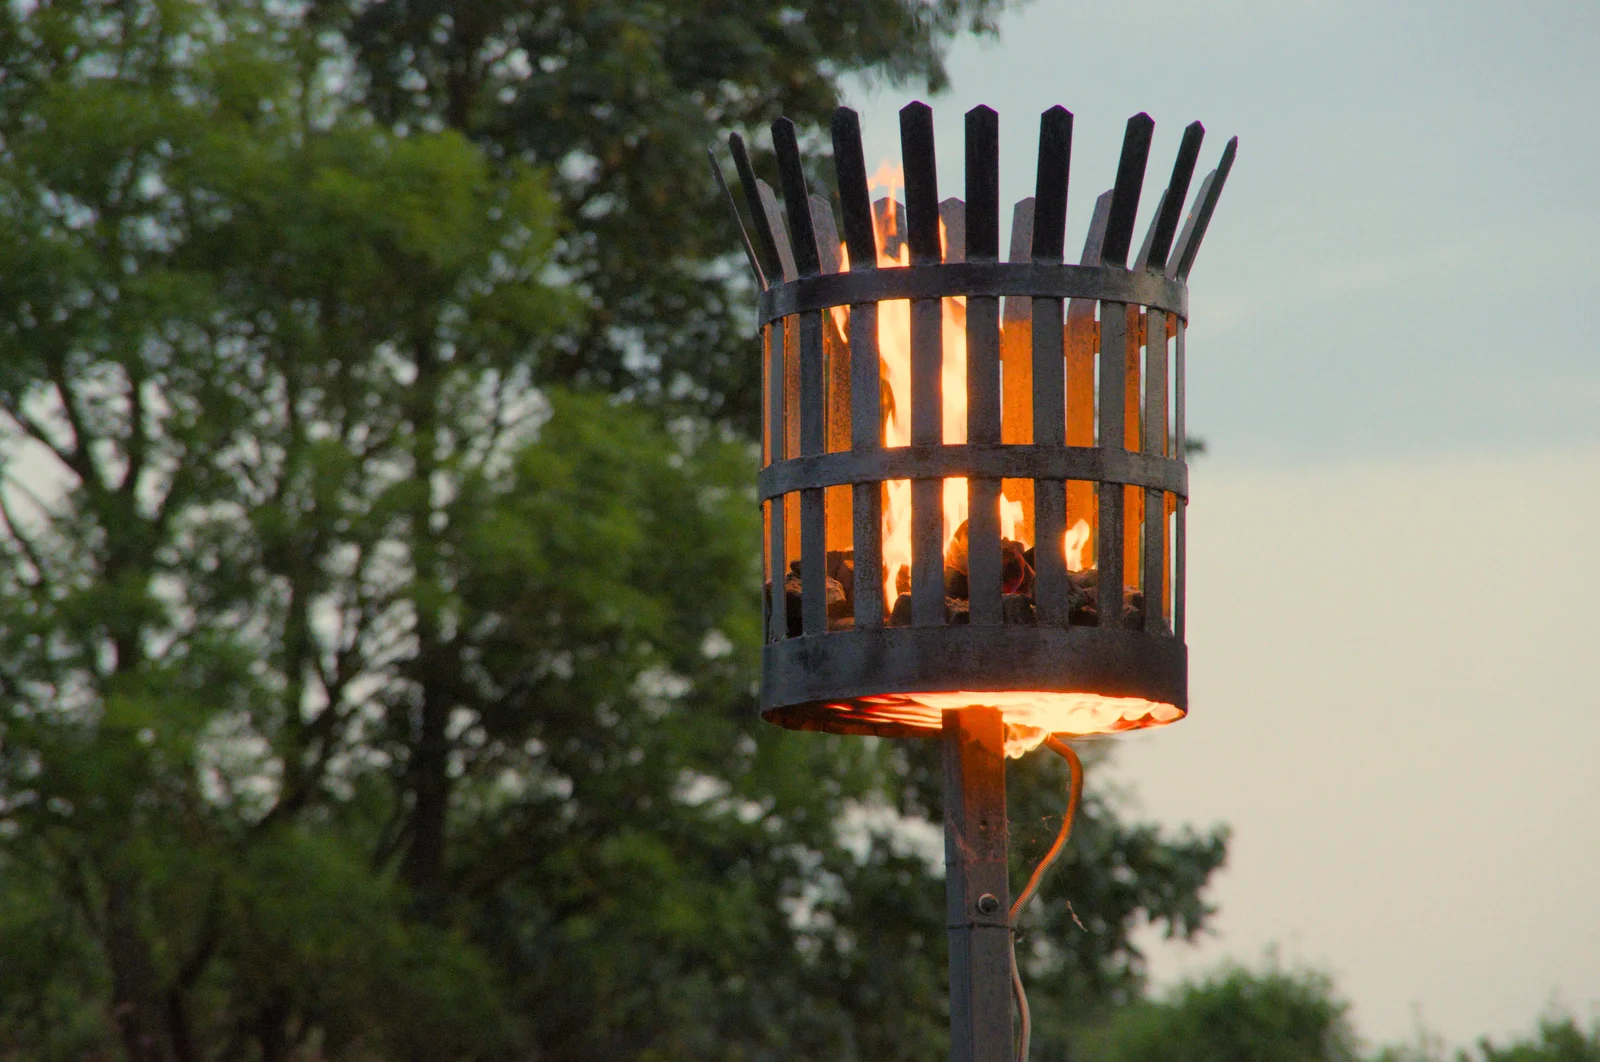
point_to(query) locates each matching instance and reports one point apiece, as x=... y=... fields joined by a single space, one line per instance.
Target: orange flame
x=894 y=350
x=1072 y=544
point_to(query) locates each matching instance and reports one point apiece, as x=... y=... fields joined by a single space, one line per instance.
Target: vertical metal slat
x=1165 y=224
x=1050 y=593
x=1132 y=439
x=1114 y=341
x=1082 y=341
x=837 y=501
x=1180 y=531
x=1016 y=352
x=766 y=244
x=778 y=626
x=1016 y=365
x=982 y=244
x=1155 y=443
x=866 y=432
x=813 y=511
x=1205 y=205
x=1113 y=371
x=1163 y=227
x=1178 y=266
x=1125 y=194
x=813 y=430
x=927 y=357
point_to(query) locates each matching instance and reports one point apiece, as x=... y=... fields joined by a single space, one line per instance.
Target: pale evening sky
x=1394 y=578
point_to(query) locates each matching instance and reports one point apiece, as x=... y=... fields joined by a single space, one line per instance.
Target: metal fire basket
x=1074 y=422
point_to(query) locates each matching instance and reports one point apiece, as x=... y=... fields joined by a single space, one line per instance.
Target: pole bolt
x=988 y=903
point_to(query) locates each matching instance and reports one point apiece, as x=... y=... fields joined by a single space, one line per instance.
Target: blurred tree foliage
x=619 y=99
x=1273 y=1014
x=377 y=630
x=1559 y=1038
x=1235 y=1015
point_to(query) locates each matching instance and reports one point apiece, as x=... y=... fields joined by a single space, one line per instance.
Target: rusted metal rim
x=803 y=679
x=996 y=461
x=975 y=280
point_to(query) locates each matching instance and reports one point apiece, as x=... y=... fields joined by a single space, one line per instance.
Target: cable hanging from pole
x=1074 y=795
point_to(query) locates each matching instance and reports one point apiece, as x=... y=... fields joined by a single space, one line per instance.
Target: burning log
x=842 y=568
x=1016 y=572
x=955 y=551
x=791 y=603
x=1017 y=608
x=900 y=614
x=1017 y=601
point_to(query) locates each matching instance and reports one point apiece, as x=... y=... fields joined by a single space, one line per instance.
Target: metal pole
x=977 y=897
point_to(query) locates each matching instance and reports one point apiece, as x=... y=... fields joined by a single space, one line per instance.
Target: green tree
x=1234 y=1015
x=368 y=694
x=1559 y=1039
x=254 y=349
x=620 y=99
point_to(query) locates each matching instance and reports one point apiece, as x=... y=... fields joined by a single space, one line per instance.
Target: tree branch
x=12 y=529
x=81 y=458
x=137 y=442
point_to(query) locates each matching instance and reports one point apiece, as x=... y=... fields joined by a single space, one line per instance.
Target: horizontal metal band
x=974 y=279
x=988 y=461
x=820 y=669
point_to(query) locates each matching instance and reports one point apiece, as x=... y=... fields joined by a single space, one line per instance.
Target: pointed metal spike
x=983 y=184
x=1165 y=223
x=1205 y=206
x=733 y=208
x=850 y=170
x=922 y=182
x=765 y=242
x=796 y=198
x=1125 y=197
x=1050 y=185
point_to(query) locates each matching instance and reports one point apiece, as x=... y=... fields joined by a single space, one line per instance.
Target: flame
x=1072 y=544
x=1011 y=516
x=889 y=176
x=894 y=350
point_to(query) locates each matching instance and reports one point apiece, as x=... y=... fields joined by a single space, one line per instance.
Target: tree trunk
x=430 y=790
x=136 y=1005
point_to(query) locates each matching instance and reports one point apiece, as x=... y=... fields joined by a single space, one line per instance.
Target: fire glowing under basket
x=973 y=482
